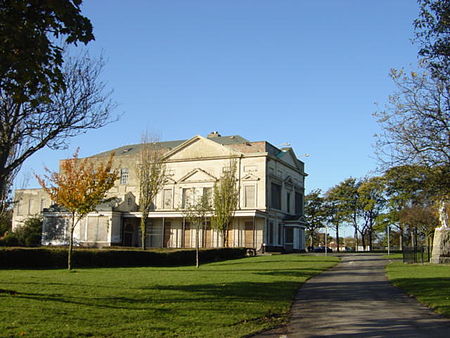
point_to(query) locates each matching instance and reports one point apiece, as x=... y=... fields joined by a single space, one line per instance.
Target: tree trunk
x=225 y=237
x=143 y=225
x=400 y=240
x=337 y=237
x=356 y=239
x=363 y=241
x=69 y=255
x=197 y=263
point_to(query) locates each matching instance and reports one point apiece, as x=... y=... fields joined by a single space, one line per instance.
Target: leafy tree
x=31 y=55
x=152 y=177
x=225 y=200
x=416 y=128
x=345 y=198
x=372 y=202
x=79 y=187
x=421 y=218
x=45 y=96
x=433 y=34
x=315 y=214
x=196 y=214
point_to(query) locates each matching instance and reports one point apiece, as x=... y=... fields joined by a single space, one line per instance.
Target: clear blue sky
x=297 y=71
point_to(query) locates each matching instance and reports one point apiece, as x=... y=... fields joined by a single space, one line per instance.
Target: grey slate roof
x=169 y=145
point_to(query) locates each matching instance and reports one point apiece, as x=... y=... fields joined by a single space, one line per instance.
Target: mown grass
x=394 y=256
x=225 y=299
x=429 y=283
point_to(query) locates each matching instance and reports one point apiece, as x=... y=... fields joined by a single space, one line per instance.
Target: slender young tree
x=225 y=201
x=79 y=187
x=152 y=177
x=196 y=214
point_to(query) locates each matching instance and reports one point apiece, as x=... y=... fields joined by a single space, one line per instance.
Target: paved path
x=355 y=299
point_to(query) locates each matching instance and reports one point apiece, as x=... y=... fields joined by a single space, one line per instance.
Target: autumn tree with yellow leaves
x=79 y=187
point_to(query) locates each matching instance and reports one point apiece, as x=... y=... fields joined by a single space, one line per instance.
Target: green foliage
x=30 y=233
x=433 y=35
x=315 y=214
x=31 y=59
x=428 y=283
x=226 y=299
x=87 y=258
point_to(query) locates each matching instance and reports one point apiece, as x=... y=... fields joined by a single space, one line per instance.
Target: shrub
x=30 y=233
x=57 y=257
x=9 y=239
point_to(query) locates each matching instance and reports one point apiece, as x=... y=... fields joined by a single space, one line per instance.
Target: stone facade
x=269 y=212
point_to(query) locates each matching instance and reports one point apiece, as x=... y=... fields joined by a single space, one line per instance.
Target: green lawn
x=429 y=283
x=225 y=299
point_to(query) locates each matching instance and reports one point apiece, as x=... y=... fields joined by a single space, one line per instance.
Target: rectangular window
x=270 y=233
x=298 y=203
x=167 y=198
x=187 y=197
x=124 y=176
x=208 y=193
x=276 y=196
x=249 y=196
x=288 y=202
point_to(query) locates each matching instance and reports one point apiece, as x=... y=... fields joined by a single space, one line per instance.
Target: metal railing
x=416 y=254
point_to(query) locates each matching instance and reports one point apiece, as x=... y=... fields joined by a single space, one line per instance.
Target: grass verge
x=225 y=299
x=429 y=283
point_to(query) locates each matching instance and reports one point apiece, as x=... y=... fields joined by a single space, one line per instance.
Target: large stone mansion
x=270 y=207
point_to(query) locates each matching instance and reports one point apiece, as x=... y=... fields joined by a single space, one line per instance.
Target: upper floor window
x=208 y=193
x=167 y=198
x=187 y=197
x=275 y=190
x=124 y=176
x=249 y=196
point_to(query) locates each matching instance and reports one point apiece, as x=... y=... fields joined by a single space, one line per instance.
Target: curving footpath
x=355 y=299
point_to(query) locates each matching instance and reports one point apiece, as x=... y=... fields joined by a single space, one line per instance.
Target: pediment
x=199 y=147
x=197 y=175
x=288 y=157
x=250 y=177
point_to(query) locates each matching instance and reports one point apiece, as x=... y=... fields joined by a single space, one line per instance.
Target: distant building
x=270 y=207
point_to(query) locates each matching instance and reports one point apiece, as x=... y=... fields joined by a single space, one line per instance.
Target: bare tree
x=225 y=200
x=152 y=177
x=28 y=126
x=416 y=123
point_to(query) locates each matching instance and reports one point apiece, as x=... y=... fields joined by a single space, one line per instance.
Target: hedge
x=31 y=258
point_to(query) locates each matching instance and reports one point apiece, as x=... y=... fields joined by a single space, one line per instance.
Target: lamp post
x=326 y=235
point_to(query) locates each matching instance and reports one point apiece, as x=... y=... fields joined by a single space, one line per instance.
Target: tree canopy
x=32 y=36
